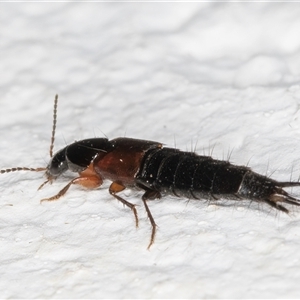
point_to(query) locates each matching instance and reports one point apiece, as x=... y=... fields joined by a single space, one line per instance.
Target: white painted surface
x=223 y=77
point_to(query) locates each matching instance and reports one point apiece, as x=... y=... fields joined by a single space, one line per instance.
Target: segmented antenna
x=16 y=169
x=21 y=169
x=53 y=125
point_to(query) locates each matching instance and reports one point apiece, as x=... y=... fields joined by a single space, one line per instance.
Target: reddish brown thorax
x=124 y=160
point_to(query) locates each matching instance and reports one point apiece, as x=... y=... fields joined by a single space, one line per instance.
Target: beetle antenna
x=53 y=125
x=22 y=169
x=16 y=169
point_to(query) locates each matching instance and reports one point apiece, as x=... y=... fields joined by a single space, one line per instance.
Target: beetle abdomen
x=170 y=171
x=187 y=174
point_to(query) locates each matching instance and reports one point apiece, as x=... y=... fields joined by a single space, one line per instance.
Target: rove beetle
x=148 y=166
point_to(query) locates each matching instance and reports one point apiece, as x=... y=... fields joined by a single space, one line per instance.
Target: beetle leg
x=85 y=181
x=116 y=187
x=59 y=194
x=151 y=195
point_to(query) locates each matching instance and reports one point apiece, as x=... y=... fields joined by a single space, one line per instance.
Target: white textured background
x=221 y=77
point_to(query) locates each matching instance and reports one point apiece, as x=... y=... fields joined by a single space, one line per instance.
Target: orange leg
x=85 y=179
x=116 y=187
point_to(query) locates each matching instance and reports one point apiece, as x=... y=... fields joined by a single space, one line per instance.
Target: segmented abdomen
x=171 y=171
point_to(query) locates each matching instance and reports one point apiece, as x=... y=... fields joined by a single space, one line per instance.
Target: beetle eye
x=57 y=164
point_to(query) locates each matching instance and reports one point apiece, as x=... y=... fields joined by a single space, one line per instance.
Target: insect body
x=158 y=171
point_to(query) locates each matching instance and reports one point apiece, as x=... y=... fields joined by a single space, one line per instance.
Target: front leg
x=87 y=179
